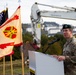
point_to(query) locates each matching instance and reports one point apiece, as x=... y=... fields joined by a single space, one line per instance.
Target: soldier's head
x=67 y=31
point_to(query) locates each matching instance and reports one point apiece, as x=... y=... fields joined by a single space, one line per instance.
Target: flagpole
x=4 y=58
x=21 y=48
x=4 y=65
x=22 y=56
x=22 y=64
x=19 y=1
x=6 y=5
x=11 y=65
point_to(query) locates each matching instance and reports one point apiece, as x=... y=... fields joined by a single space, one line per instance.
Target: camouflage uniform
x=70 y=50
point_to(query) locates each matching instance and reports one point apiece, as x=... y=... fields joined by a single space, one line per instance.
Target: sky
x=27 y=4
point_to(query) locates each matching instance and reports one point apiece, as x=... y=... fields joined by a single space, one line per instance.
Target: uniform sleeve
x=73 y=53
x=72 y=57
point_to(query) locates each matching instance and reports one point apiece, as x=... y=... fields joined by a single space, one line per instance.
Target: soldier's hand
x=61 y=58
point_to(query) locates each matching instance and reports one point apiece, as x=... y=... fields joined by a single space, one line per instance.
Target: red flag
x=10 y=33
x=7 y=49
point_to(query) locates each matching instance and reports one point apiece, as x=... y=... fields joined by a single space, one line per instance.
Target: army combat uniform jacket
x=70 y=50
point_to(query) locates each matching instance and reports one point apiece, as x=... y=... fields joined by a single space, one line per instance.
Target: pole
x=72 y=9
x=22 y=56
x=4 y=65
x=11 y=65
x=22 y=63
x=19 y=1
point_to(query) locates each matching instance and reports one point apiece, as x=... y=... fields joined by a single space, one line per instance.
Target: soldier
x=69 y=51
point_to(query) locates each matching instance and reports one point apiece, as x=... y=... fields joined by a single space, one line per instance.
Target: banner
x=10 y=33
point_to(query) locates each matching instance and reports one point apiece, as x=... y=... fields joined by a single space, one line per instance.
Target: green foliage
x=55 y=48
x=27 y=37
x=17 y=53
x=44 y=40
x=62 y=39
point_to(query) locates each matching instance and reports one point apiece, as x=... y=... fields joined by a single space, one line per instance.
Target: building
x=52 y=28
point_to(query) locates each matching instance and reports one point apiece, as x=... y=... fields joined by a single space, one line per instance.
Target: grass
x=17 y=68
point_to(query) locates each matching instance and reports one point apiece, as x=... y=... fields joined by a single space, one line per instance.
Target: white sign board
x=43 y=64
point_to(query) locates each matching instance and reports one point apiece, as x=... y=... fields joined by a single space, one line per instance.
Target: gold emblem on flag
x=10 y=32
